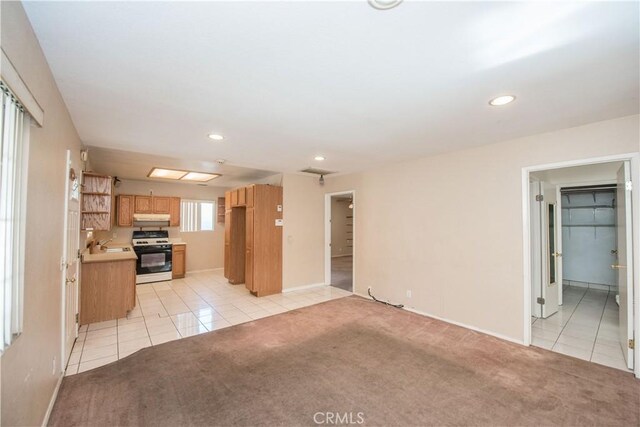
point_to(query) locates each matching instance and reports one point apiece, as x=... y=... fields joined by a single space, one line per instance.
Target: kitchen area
x=134 y=236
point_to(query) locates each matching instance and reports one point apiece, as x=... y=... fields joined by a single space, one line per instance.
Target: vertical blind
x=196 y=215
x=13 y=185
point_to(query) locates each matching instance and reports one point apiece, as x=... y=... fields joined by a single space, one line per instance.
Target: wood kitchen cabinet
x=132 y=204
x=125 y=211
x=161 y=205
x=174 y=211
x=253 y=238
x=107 y=290
x=179 y=260
x=143 y=204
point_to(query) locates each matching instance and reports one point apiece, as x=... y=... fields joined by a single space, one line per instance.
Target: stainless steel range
x=154 y=256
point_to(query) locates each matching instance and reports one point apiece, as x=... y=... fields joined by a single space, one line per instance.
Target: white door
x=549 y=291
x=625 y=260
x=558 y=254
x=70 y=262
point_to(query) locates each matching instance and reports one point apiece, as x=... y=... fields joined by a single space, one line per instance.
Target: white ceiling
x=130 y=165
x=285 y=81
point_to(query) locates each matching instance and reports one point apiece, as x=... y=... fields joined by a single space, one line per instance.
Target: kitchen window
x=14 y=153
x=197 y=215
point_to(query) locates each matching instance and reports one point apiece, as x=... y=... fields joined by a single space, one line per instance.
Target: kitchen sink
x=115 y=250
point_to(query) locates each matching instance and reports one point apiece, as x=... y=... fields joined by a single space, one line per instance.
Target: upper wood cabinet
x=174 y=211
x=250 y=191
x=143 y=204
x=125 y=211
x=130 y=204
x=161 y=205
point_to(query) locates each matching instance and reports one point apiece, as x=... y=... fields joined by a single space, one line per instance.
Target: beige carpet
x=345 y=356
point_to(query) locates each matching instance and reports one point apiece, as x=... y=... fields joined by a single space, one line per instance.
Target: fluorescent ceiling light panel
x=166 y=173
x=199 y=176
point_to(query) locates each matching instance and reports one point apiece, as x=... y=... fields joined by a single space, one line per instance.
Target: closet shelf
x=589 y=207
x=588 y=225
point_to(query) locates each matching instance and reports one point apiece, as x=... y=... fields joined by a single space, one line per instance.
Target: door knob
x=557 y=254
x=71 y=280
x=618 y=266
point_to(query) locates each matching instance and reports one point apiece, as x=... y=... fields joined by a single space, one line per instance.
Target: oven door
x=153 y=259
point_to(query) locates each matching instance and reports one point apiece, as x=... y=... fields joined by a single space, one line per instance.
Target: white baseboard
x=52 y=401
x=453 y=322
x=300 y=288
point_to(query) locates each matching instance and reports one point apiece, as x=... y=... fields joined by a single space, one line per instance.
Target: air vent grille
x=317 y=171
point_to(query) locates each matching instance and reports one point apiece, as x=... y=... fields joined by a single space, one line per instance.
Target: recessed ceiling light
x=502 y=100
x=216 y=137
x=166 y=173
x=319 y=158
x=199 y=176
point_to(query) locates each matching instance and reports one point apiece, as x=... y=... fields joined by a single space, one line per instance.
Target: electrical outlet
x=408 y=294
x=115 y=236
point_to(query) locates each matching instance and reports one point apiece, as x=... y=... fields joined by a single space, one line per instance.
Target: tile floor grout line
x=569 y=319
x=604 y=307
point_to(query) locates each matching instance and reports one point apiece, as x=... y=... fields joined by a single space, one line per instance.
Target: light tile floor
x=586 y=327
x=166 y=311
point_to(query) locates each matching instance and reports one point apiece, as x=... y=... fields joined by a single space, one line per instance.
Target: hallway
x=342 y=272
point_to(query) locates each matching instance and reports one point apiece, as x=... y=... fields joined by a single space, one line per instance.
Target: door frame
x=327 y=237
x=634 y=160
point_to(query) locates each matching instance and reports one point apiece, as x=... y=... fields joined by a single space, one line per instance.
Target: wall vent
x=317 y=171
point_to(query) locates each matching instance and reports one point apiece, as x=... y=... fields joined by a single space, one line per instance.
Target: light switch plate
x=279 y=208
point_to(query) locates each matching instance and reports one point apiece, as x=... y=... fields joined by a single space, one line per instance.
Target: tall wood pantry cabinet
x=253 y=238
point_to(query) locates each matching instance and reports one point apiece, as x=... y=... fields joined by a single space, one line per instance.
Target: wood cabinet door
x=143 y=205
x=227 y=243
x=234 y=198
x=179 y=261
x=161 y=205
x=242 y=199
x=248 y=271
x=227 y=200
x=125 y=211
x=250 y=192
x=174 y=211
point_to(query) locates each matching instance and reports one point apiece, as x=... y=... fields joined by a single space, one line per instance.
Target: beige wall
x=205 y=249
x=340 y=243
x=27 y=378
x=446 y=227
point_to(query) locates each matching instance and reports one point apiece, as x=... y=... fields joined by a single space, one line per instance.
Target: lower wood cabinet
x=107 y=290
x=179 y=261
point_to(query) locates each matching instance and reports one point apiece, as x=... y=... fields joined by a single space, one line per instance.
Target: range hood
x=151 y=220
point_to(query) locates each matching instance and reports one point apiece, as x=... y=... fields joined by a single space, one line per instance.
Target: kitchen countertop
x=110 y=256
x=177 y=242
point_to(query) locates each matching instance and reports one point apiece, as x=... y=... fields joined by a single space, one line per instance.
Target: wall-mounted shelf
x=96 y=201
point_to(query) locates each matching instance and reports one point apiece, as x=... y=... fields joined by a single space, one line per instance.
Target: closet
x=253 y=238
x=589 y=234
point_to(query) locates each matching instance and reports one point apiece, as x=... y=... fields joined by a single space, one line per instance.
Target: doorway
x=339 y=233
x=580 y=240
